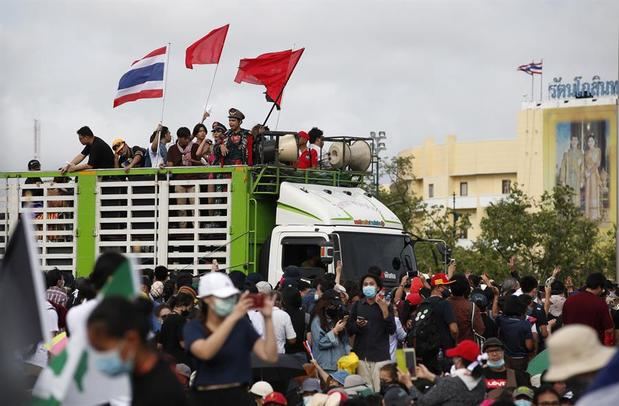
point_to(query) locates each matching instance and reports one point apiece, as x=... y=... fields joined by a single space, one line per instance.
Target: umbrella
x=538 y=364
x=286 y=367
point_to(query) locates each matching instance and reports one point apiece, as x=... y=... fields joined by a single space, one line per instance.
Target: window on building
x=464 y=189
x=506 y=186
x=431 y=190
x=463 y=234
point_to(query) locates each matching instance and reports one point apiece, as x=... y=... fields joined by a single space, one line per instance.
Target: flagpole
x=158 y=138
x=541 y=82
x=210 y=90
x=532 y=85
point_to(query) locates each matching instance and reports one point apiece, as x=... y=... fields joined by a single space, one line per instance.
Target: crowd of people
x=236 y=339
x=225 y=146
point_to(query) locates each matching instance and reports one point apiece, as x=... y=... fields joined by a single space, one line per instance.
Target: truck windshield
x=361 y=250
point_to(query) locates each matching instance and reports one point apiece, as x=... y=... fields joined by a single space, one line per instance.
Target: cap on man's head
x=117 y=143
x=440 y=279
x=466 y=349
x=34 y=165
x=261 y=388
x=523 y=392
x=234 y=113
x=217 y=126
x=264 y=287
x=493 y=342
x=216 y=284
x=275 y=398
x=575 y=350
x=310 y=385
x=303 y=135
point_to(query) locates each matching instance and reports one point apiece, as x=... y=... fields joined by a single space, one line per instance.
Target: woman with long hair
x=328 y=326
x=117 y=330
x=222 y=340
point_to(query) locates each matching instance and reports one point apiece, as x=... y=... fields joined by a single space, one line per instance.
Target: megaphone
x=264 y=150
x=288 y=150
x=361 y=156
x=339 y=155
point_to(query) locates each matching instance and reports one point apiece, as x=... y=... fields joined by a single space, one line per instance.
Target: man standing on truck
x=234 y=150
x=317 y=141
x=100 y=155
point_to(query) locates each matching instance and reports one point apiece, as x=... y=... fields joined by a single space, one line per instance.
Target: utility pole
x=455 y=218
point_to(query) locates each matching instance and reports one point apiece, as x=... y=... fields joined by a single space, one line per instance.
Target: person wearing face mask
x=523 y=396
x=328 y=327
x=117 y=331
x=222 y=340
x=497 y=376
x=371 y=323
x=171 y=335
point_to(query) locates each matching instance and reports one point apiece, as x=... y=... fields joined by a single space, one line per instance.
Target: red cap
x=440 y=279
x=275 y=398
x=467 y=349
x=414 y=298
x=304 y=135
x=416 y=284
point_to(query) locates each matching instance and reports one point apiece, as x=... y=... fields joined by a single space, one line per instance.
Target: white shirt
x=400 y=335
x=281 y=324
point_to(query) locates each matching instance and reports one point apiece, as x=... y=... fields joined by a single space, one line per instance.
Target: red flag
x=271 y=70
x=207 y=49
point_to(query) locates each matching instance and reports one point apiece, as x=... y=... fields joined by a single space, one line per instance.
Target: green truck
x=252 y=219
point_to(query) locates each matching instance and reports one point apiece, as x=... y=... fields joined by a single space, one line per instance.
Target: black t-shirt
x=444 y=314
x=100 y=155
x=171 y=335
x=499 y=380
x=297 y=317
x=126 y=159
x=158 y=387
x=232 y=364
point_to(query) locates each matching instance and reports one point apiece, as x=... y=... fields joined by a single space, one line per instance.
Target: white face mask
x=522 y=402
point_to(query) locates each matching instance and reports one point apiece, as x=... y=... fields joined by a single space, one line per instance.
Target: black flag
x=22 y=293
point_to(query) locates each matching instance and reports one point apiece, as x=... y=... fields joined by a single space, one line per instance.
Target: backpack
x=424 y=333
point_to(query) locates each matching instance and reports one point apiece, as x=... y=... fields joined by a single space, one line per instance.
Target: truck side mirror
x=326 y=252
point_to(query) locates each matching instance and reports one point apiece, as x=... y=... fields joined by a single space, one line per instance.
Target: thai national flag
x=145 y=79
x=532 y=68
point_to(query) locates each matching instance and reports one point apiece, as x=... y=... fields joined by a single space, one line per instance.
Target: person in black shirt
x=100 y=155
x=117 y=330
x=371 y=323
x=127 y=157
x=171 y=335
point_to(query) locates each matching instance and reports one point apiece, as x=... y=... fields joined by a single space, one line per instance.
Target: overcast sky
x=411 y=68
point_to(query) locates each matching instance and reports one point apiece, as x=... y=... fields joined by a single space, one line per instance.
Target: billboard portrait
x=581 y=142
x=582 y=164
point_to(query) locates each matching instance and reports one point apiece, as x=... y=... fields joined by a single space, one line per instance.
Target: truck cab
x=362 y=231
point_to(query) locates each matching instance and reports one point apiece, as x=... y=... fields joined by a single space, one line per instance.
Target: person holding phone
x=328 y=326
x=222 y=340
x=371 y=322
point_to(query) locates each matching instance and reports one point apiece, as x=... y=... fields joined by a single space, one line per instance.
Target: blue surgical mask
x=111 y=364
x=369 y=291
x=522 y=402
x=224 y=307
x=496 y=364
